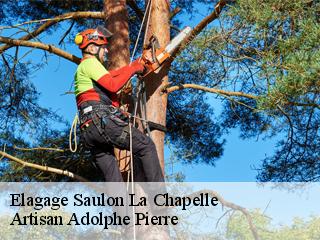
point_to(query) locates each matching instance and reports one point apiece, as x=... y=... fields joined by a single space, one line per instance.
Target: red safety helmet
x=98 y=36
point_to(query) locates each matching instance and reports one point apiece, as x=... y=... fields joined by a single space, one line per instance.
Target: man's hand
x=147 y=55
x=138 y=66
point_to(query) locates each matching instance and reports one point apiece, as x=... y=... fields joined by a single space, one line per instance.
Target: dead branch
x=304 y=104
x=167 y=89
x=39 y=148
x=232 y=206
x=44 y=168
x=174 y=12
x=51 y=22
x=67 y=32
x=196 y=30
x=46 y=47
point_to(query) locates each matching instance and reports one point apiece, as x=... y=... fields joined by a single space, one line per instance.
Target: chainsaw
x=153 y=56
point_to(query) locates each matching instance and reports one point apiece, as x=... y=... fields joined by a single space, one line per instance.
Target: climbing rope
x=147 y=26
x=132 y=180
x=73 y=130
x=148 y=9
x=139 y=84
x=143 y=109
x=141 y=100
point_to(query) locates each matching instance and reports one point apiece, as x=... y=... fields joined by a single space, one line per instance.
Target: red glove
x=137 y=66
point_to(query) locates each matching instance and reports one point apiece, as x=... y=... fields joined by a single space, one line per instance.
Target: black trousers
x=107 y=131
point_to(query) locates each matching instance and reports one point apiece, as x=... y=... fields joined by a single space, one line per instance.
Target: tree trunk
x=159 y=26
x=118 y=54
x=117 y=22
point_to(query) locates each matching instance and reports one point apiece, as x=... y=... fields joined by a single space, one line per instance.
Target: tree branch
x=304 y=104
x=196 y=30
x=232 y=206
x=46 y=47
x=67 y=32
x=44 y=168
x=133 y=5
x=167 y=89
x=39 y=148
x=174 y=12
x=51 y=22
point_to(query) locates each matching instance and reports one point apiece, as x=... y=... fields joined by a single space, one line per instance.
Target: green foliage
x=268 y=49
x=287 y=35
x=190 y=126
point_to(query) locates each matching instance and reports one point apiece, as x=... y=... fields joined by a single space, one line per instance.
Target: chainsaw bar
x=160 y=55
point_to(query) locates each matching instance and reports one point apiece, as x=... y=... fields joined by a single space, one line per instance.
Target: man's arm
x=113 y=81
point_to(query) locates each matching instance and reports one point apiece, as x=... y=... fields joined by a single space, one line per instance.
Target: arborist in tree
x=103 y=125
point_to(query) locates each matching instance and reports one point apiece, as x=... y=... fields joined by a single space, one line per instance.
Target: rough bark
x=117 y=23
x=156 y=102
x=118 y=52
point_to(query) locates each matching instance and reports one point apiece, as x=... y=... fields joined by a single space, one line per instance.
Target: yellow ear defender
x=78 y=39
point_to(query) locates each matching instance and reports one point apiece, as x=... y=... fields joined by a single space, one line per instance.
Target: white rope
x=136 y=104
x=143 y=105
x=147 y=26
x=148 y=8
x=73 y=130
x=132 y=180
x=136 y=44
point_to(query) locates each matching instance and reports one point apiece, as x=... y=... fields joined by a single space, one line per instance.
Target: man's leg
x=145 y=151
x=107 y=163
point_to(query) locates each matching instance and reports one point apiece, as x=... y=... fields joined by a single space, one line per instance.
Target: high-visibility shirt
x=94 y=83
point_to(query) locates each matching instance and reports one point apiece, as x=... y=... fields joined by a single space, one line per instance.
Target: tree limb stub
x=174 y=12
x=44 y=168
x=207 y=89
x=46 y=47
x=51 y=22
x=196 y=30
